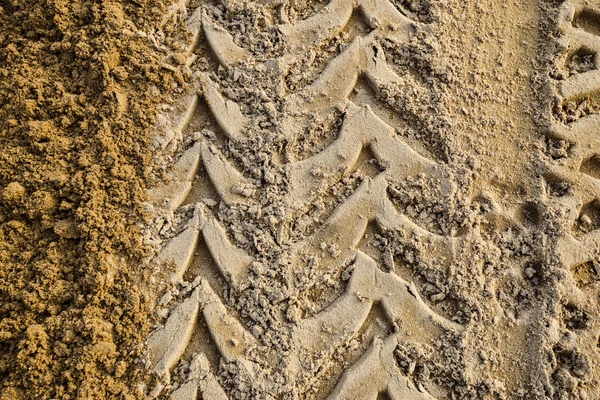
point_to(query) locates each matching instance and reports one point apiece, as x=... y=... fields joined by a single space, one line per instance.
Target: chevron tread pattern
x=575 y=127
x=314 y=339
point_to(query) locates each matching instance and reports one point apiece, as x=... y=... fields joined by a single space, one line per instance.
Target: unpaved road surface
x=339 y=199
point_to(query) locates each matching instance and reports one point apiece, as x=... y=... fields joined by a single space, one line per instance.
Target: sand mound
x=79 y=89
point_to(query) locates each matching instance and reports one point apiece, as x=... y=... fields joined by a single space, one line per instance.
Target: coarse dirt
x=79 y=86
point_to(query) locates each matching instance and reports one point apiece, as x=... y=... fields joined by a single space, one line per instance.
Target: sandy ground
x=79 y=90
x=370 y=199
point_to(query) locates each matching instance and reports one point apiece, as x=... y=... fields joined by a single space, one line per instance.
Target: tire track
x=572 y=192
x=327 y=253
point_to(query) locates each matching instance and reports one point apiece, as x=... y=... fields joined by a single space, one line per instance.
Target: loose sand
x=79 y=90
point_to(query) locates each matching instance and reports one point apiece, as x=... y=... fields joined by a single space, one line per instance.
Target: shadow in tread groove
x=588 y=20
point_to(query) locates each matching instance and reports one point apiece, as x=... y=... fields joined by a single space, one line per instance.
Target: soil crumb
x=79 y=86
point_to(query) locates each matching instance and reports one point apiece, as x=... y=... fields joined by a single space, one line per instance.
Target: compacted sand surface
x=277 y=199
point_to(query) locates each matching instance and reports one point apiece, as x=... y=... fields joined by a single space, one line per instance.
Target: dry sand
x=343 y=199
